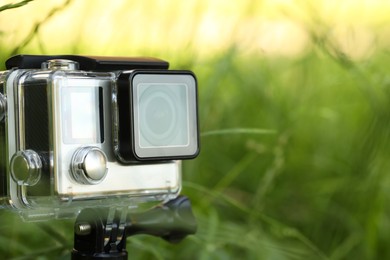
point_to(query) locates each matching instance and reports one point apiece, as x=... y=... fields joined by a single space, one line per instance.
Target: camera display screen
x=81 y=111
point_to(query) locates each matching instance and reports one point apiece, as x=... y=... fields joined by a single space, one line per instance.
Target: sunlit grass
x=199 y=28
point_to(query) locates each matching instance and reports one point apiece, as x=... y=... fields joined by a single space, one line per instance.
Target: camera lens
x=163 y=116
x=159 y=115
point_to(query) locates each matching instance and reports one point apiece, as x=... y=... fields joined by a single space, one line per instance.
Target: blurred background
x=294 y=109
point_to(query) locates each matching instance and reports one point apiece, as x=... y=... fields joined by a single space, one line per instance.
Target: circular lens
x=158 y=116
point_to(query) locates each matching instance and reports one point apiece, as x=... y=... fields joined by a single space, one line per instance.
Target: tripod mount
x=100 y=233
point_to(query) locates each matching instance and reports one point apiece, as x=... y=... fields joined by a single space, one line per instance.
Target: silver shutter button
x=89 y=165
x=26 y=167
x=60 y=64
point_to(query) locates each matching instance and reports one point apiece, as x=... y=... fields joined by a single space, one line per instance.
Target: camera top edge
x=96 y=63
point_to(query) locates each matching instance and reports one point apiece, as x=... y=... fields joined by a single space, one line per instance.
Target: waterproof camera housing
x=80 y=131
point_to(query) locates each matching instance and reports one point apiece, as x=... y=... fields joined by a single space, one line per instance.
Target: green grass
x=316 y=188
x=294 y=163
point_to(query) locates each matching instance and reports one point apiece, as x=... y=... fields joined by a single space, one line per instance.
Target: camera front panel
x=83 y=123
x=59 y=152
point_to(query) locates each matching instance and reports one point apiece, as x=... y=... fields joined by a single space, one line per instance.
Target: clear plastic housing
x=55 y=113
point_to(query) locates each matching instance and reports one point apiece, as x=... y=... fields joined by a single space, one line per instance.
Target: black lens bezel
x=126 y=151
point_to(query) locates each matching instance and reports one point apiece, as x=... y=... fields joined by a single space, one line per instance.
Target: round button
x=89 y=165
x=60 y=64
x=26 y=167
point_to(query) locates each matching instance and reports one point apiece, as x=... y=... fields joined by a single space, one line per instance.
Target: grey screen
x=81 y=115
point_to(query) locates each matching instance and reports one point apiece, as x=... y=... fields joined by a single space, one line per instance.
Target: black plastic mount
x=95 y=63
x=100 y=233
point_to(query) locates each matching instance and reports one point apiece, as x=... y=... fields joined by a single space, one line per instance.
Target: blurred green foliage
x=294 y=160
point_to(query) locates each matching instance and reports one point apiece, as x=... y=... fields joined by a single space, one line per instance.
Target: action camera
x=79 y=131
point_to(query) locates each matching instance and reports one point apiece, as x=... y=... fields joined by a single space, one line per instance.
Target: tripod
x=101 y=233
